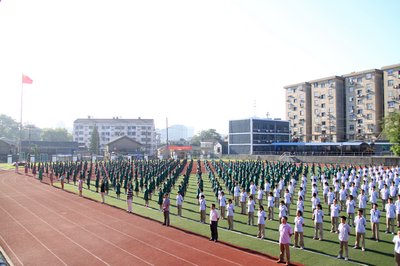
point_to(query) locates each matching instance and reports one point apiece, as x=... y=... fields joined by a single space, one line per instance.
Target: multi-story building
x=364 y=104
x=298 y=111
x=253 y=135
x=391 y=88
x=344 y=108
x=140 y=130
x=327 y=121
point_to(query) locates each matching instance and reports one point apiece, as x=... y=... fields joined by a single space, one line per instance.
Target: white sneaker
x=339 y=257
x=363 y=249
x=346 y=258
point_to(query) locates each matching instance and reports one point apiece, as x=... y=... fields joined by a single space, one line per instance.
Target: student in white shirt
x=202 y=208
x=287 y=199
x=230 y=212
x=375 y=216
x=390 y=215
x=236 y=194
x=362 y=201
x=214 y=217
x=344 y=233
x=283 y=210
x=342 y=198
x=318 y=217
x=261 y=222
x=243 y=198
x=179 y=201
x=334 y=216
x=250 y=209
x=360 y=223
x=260 y=195
x=350 y=209
x=397 y=207
x=271 y=204
x=396 y=241
x=300 y=204
x=222 y=204
x=298 y=230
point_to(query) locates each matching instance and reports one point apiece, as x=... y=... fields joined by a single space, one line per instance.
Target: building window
x=359 y=111
x=369 y=96
x=368 y=76
x=351 y=89
x=322 y=96
x=369 y=106
x=322 y=85
x=390 y=82
x=369 y=116
x=390 y=72
x=359 y=92
x=359 y=121
x=351 y=99
x=301 y=112
x=359 y=101
x=359 y=79
x=323 y=114
x=391 y=104
x=316 y=94
x=323 y=105
x=316 y=85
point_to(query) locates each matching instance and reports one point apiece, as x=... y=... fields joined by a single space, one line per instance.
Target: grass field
x=245 y=235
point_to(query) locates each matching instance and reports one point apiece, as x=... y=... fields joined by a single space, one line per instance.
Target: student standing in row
x=375 y=216
x=261 y=222
x=298 y=230
x=250 y=209
x=179 y=202
x=202 y=209
x=318 y=217
x=165 y=209
x=396 y=241
x=285 y=233
x=344 y=233
x=230 y=212
x=360 y=223
x=129 y=198
x=214 y=217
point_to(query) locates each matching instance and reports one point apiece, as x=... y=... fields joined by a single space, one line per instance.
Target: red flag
x=26 y=79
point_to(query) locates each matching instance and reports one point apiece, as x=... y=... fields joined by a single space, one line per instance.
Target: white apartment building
x=140 y=130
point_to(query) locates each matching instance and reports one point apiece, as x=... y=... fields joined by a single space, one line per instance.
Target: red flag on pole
x=26 y=79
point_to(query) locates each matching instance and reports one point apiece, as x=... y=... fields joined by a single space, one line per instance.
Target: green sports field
x=245 y=235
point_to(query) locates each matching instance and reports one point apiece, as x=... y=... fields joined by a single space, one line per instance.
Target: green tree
x=391 y=129
x=206 y=135
x=94 y=141
x=58 y=134
x=9 y=128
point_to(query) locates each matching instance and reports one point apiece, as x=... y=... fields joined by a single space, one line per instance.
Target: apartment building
x=140 y=130
x=391 y=88
x=363 y=104
x=298 y=111
x=343 y=108
x=327 y=121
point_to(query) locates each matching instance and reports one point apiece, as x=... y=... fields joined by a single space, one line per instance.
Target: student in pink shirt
x=285 y=233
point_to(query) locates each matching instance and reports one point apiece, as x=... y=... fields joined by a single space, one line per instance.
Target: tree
x=9 y=128
x=94 y=141
x=391 y=129
x=210 y=134
x=58 y=134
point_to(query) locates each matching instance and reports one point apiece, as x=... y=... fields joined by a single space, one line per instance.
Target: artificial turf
x=243 y=235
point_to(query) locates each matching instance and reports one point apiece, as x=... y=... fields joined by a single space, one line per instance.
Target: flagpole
x=20 y=119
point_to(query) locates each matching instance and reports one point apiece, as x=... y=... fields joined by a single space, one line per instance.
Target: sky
x=197 y=63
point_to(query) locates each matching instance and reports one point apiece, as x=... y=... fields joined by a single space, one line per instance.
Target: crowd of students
x=256 y=188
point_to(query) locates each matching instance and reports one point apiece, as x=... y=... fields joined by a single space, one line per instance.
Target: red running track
x=42 y=225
